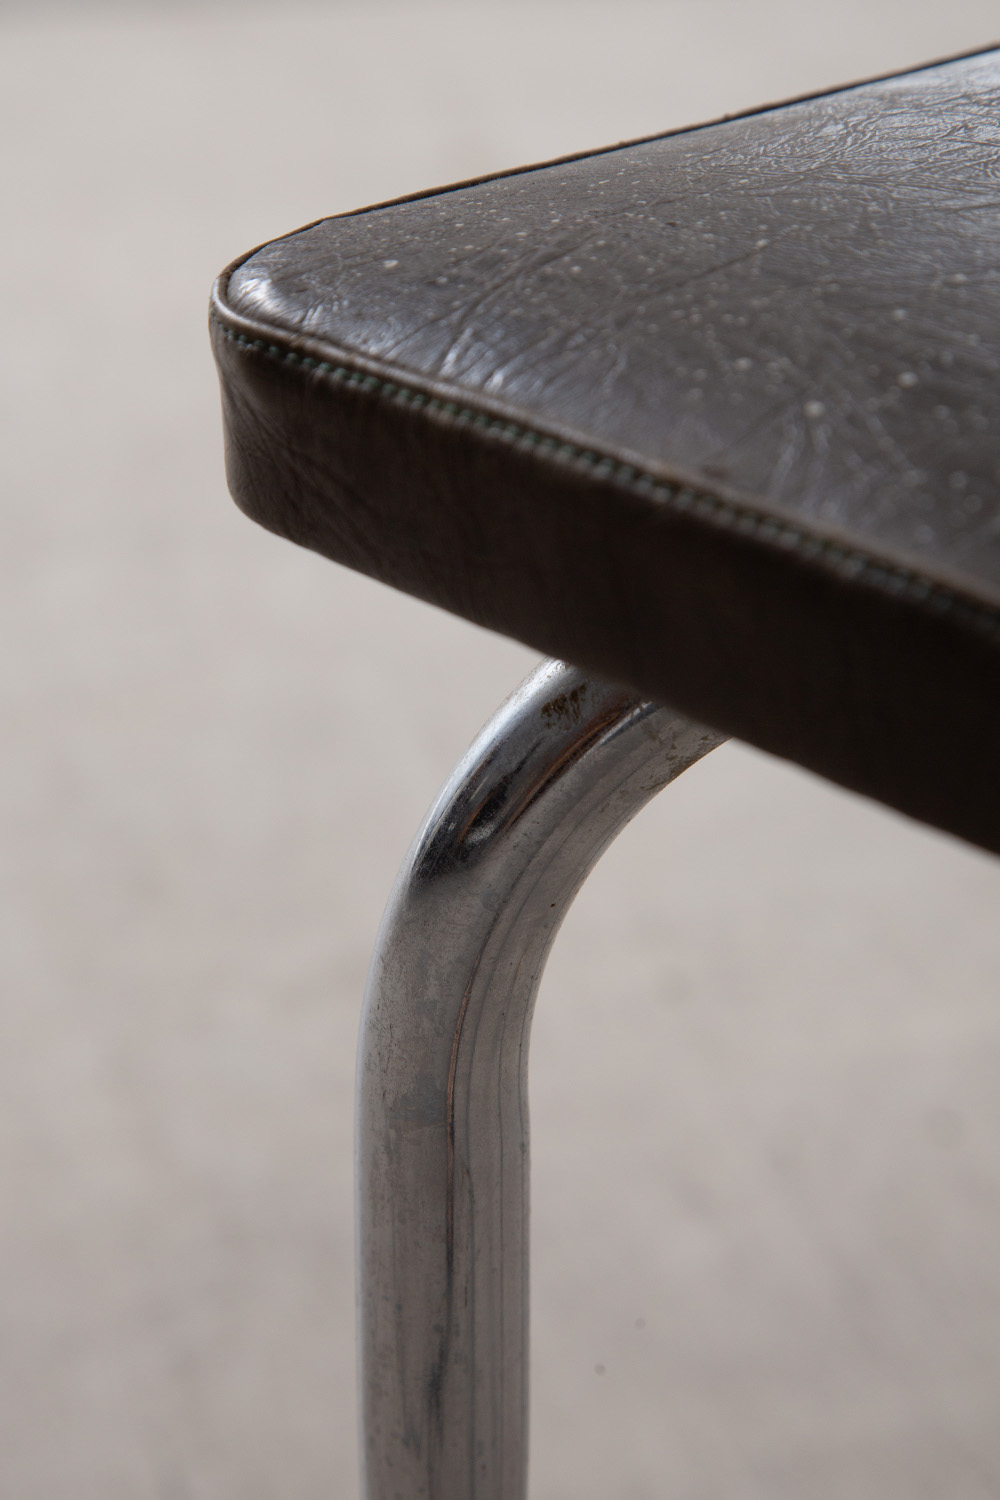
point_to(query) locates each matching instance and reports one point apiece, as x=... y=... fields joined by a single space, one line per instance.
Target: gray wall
x=765 y=1075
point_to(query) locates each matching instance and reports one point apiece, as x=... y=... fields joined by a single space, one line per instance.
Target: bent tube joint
x=442 y=1073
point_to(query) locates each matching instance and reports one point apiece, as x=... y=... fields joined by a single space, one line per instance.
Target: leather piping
x=843 y=558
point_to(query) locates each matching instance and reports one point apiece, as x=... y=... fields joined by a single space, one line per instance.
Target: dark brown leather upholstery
x=717 y=414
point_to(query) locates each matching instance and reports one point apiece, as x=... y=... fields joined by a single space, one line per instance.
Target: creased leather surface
x=804 y=304
x=798 y=311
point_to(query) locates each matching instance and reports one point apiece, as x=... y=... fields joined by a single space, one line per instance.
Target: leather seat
x=716 y=414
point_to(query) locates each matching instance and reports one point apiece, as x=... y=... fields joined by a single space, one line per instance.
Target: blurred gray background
x=766 y=1114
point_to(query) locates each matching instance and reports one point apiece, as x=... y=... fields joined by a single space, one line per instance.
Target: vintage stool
x=715 y=415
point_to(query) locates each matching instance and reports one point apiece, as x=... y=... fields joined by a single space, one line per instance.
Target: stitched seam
x=845 y=561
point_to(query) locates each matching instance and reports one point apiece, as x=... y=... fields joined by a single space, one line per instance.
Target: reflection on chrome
x=442 y=1087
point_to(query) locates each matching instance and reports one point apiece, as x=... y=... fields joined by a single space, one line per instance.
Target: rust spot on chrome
x=565 y=709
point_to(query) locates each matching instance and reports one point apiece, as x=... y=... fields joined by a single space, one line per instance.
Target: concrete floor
x=767 y=1121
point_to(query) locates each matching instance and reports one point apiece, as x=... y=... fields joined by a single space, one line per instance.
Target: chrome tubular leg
x=442 y=1112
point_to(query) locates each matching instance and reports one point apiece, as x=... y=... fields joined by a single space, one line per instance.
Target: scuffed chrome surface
x=442 y=1113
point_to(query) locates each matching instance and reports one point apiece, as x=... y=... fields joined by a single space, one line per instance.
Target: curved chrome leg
x=442 y=1111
